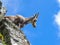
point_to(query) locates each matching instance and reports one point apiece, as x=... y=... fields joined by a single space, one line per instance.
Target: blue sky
x=47 y=31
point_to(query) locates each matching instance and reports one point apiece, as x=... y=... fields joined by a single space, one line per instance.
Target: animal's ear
x=36 y=15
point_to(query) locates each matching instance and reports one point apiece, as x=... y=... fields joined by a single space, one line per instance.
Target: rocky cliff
x=10 y=34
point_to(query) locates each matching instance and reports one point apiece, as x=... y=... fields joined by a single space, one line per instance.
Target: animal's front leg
x=19 y=25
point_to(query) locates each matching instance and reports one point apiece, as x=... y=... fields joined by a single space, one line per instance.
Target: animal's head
x=34 y=20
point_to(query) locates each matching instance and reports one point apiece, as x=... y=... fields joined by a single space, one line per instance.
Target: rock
x=12 y=34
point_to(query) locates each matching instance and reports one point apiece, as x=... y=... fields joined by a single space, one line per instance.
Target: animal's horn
x=37 y=14
x=35 y=19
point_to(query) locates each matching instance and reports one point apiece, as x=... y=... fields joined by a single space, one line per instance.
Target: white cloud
x=57 y=18
x=58 y=2
x=57 y=22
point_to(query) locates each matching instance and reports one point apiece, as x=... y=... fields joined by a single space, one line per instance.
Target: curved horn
x=36 y=15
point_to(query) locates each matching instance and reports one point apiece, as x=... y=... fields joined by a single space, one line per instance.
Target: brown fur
x=18 y=20
x=21 y=21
